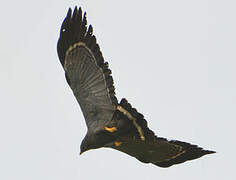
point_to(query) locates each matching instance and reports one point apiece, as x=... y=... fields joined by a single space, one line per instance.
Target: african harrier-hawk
x=110 y=124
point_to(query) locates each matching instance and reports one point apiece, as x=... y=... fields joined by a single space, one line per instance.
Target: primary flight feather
x=110 y=124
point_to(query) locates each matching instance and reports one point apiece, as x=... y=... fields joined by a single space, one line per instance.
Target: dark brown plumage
x=110 y=124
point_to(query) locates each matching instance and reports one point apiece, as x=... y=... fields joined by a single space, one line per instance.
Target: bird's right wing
x=149 y=148
x=86 y=72
x=160 y=151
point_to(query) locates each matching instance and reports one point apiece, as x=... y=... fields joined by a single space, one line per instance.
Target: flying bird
x=110 y=123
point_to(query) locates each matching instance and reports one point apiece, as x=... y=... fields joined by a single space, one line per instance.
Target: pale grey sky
x=173 y=60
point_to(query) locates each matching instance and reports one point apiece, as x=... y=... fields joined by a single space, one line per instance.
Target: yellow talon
x=142 y=137
x=111 y=130
x=117 y=143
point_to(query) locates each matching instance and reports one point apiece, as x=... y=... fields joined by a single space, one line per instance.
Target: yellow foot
x=111 y=130
x=117 y=143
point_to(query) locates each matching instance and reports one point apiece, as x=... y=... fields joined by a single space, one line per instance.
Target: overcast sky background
x=174 y=61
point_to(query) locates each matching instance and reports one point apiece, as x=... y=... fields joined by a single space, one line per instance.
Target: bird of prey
x=110 y=123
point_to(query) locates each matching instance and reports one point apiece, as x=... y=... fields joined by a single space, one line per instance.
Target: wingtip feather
x=73 y=30
x=191 y=152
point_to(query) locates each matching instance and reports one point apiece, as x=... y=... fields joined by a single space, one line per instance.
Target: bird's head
x=95 y=140
x=83 y=148
x=90 y=141
x=86 y=144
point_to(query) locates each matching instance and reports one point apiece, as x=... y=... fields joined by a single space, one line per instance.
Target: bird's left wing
x=86 y=72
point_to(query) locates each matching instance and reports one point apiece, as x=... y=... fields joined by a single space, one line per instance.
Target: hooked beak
x=81 y=152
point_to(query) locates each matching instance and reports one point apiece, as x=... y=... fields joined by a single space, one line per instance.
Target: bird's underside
x=110 y=124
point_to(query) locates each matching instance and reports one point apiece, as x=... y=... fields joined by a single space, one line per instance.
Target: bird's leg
x=126 y=113
x=111 y=130
x=117 y=143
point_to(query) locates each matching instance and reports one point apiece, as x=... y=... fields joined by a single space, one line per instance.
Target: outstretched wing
x=86 y=72
x=153 y=149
